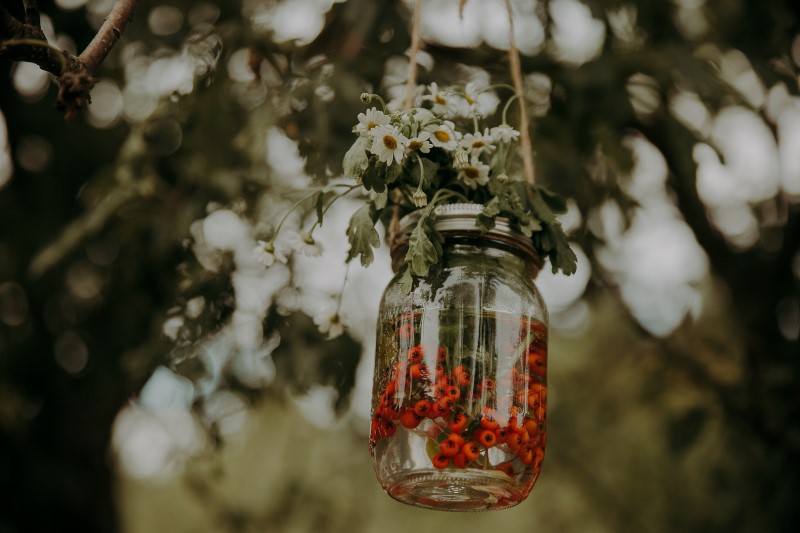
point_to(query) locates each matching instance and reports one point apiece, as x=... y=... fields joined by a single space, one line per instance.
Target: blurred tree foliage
x=97 y=248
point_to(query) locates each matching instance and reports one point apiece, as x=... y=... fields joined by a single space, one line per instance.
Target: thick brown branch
x=109 y=33
x=9 y=25
x=32 y=13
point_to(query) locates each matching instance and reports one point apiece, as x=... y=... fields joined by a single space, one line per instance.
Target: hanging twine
x=516 y=76
x=411 y=83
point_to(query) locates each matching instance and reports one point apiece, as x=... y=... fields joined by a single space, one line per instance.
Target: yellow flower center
x=472 y=173
x=414 y=145
x=389 y=142
x=478 y=144
x=468 y=98
x=371 y=125
x=439 y=100
x=443 y=136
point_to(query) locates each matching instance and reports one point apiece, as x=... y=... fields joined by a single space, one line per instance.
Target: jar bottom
x=469 y=490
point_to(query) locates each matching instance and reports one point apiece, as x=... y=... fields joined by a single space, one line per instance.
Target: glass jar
x=460 y=389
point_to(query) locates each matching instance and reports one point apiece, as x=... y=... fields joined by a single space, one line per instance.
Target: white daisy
x=444 y=136
x=421 y=142
x=443 y=101
x=330 y=324
x=474 y=174
x=305 y=245
x=388 y=144
x=478 y=142
x=266 y=254
x=371 y=119
x=504 y=133
x=475 y=100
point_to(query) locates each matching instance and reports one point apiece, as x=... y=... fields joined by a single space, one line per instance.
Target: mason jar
x=460 y=386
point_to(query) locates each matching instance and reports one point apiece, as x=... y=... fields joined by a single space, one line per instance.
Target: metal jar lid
x=459 y=220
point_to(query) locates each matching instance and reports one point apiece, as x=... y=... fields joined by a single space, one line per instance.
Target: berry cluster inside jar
x=474 y=388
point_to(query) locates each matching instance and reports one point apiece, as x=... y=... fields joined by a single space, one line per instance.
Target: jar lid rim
x=460 y=218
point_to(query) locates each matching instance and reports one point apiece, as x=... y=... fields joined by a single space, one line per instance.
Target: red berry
x=422 y=408
x=460 y=460
x=488 y=422
x=487 y=437
x=453 y=392
x=506 y=467
x=458 y=423
x=415 y=353
x=500 y=435
x=441 y=354
x=441 y=461
x=406 y=331
x=448 y=448
x=409 y=419
x=471 y=450
x=514 y=441
x=437 y=410
x=417 y=371
x=458 y=439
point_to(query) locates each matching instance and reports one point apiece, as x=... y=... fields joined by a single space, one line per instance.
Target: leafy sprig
x=438 y=152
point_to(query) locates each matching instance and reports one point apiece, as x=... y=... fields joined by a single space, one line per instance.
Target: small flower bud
x=420 y=198
x=502 y=178
x=460 y=159
x=366 y=98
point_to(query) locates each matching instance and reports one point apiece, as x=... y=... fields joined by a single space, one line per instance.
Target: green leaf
x=552 y=241
x=381 y=199
x=374 y=176
x=554 y=201
x=406 y=281
x=362 y=234
x=356 y=159
x=424 y=244
x=392 y=172
x=486 y=218
x=429 y=169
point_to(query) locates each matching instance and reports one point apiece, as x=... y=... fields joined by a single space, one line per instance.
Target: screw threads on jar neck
x=458 y=220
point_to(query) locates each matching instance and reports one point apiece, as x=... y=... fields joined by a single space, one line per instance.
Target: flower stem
x=508 y=104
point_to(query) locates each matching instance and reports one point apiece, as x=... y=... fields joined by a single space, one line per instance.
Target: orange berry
x=390 y=412
x=506 y=467
x=422 y=408
x=514 y=441
x=458 y=439
x=487 y=438
x=537 y=364
x=531 y=426
x=500 y=435
x=417 y=371
x=441 y=354
x=447 y=402
x=453 y=392
x=448 y=448
x=437 y=410
x=406 y=331
x=415 y=354
x=458 y=423
x=471 y=450
x=533 y=400
x=441 y=461
x=488 y=384
x=525 y=454
x=488 y=422
x=464 y=378
x=409 y=419
x=460 y=460
x=387 y=428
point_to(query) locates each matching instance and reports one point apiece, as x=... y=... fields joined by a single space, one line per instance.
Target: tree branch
x=32 y=13
x=9 y=25
x=108 y=35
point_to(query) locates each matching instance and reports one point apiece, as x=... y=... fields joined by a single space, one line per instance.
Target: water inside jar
x=459 y=406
